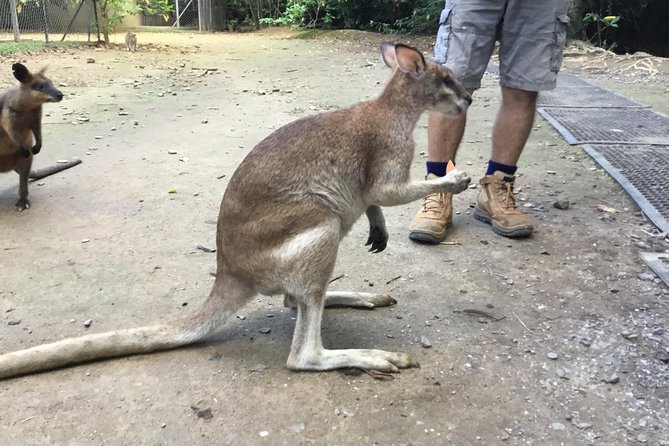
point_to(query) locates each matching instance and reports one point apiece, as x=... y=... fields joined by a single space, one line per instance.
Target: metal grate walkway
x=630 y=141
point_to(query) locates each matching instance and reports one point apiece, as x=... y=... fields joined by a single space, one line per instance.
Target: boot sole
x=433 y=238
x=483 y=216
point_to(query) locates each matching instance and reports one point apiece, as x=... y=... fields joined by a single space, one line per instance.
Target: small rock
x=561 y=373
x=259 y=368
x=562 y=205
x=613 y=379
x=205 y=414
x=642 y=438
x=425 y=342
x=263 y=434
x=87 y=323
x=552 y=355
x=215 y=357
x=241 y=317
x=14 y=322
x=86 y=240
x=629 y=336
x=509 y=281
x=558 y=427
x=265 y=330
x=343 y=411
x=646 y=276
x=90 y=60
x=171 y=152
x=300 y=426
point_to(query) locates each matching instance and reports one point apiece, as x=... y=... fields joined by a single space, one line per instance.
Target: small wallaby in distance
x=285 y=210
x=131 y=41
x=21 y=123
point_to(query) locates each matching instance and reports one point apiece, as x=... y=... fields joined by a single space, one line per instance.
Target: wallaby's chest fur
x=19 y=115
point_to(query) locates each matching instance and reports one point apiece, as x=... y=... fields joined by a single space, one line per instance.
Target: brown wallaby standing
x=284 y=212
x=21 y=124
x=131 y=41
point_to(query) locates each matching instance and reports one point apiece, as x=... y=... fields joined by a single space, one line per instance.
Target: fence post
x=46 y=22
x=176 y=7
x=15 y=21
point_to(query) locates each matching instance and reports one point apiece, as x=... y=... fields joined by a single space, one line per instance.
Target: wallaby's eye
x=448 y=82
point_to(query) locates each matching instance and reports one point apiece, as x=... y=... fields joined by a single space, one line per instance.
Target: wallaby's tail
x=188 y=330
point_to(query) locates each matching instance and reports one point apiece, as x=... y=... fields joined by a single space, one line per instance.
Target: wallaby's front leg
x=36 y=128
x=396 y=194
x=378 y=235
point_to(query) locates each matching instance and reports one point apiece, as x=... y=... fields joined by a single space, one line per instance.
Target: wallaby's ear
x=21 y=73
x=388 y=54
x=409 y=60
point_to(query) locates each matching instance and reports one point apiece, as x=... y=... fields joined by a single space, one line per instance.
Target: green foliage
x=112 y=12
x=33 y=45
x=601 y=25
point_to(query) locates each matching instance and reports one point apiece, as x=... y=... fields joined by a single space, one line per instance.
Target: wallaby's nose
x=58 y=96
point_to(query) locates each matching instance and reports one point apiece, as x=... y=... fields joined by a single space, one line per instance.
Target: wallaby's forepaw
x=36 y=148
x=378 y=238
x=22 y=204
x=24 y=152
x=456 y=181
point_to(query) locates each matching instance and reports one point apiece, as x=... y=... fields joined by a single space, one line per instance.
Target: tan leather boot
x=434 y=217
x=497 y=207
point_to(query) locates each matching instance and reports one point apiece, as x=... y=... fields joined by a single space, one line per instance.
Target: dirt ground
x=578 y=351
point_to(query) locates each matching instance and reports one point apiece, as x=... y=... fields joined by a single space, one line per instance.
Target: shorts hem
x=529 y=86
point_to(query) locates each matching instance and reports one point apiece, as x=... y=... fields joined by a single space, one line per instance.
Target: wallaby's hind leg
x=307 y=352
x=349 y=299
x=23 y=166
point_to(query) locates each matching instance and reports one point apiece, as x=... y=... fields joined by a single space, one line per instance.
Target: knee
x=517 y=97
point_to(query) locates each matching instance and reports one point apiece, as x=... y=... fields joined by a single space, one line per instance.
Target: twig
x=337 y=278
x=392 y=280
x=523 y=324
x=450 y=243
x=28 y=419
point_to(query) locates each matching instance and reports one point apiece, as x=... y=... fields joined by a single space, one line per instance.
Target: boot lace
x=504 y=192
x=433 y=203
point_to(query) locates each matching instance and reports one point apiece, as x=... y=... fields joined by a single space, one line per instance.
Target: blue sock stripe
x=493 y=166
x=436 y=168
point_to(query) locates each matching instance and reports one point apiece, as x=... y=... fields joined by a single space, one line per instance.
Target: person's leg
x=465 y=41
x=531 y=44
x=496 y=204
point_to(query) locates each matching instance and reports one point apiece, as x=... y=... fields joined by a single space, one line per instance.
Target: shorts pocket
x=443 y=35
x=560 y=39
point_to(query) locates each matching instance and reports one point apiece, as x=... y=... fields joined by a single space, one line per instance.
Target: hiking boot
x=497 y=207
x=434 y=217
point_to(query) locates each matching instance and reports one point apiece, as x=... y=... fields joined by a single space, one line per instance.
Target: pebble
x=14 y=322
x=425 y=342
x=646 y=276
x=263 y=434
x=552 y=355
x=562 y=205
x=87 y=323
x=642 y=438
x=629 y=336
x=171 y=152
x=509 y=281
x=265 y=330
x=558 y=427
x=259 y=368
x=90 y=60
x=613 y=379
x=562 y=373
x=343 y=411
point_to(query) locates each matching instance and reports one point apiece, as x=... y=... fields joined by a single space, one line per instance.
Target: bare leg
x=513 y=125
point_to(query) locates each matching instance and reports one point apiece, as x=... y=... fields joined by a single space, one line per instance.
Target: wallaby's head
x=39 y=88
x=433 y=83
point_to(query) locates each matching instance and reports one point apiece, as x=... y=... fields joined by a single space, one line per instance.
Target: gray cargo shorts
x=532 y=35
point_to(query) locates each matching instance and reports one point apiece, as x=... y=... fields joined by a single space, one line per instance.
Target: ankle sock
x=436 y=168
x=507 y=170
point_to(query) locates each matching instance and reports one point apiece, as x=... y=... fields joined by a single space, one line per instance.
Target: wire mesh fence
x=53 y=20
x=48 y=20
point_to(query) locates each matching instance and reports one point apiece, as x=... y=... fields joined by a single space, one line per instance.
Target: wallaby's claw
x=36 y=148
x=378 y=238
x=22 y=204
x=459 y=181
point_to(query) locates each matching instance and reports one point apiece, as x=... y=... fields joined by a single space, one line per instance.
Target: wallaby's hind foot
x=351 y=299
x=366 y=359
x=22 y=204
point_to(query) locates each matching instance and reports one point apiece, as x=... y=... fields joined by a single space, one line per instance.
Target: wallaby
x=21 y=122
x=131 y=41
x=285 y=210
